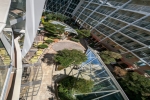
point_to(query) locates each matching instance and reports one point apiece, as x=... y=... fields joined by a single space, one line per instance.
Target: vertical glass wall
x=4 y=63
x=17 y=9
x=62 y=6
x=71 y=7
x=7 y=31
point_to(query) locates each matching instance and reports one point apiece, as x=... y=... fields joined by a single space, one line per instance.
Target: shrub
x=83 y=33
x=44 y=13
x=59 y=37
x=60 y=67
x=42 y=20
x=64 y=94
x=48 y=41
x=42 y=46
x=75 y=40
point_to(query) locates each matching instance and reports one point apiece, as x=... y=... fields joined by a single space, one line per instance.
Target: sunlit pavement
x=49 y=69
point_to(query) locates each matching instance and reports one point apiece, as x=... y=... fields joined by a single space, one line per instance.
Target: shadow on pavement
x=48 y=58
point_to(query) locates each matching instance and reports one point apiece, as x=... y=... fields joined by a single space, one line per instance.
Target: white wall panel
x=34 y=10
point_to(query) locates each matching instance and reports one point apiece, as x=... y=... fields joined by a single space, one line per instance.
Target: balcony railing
x=5 y=70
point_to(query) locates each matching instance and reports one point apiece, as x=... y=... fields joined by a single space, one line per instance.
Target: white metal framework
x=115 y=18
x=105 y=85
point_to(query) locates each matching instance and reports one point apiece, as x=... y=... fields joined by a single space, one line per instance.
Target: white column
x=34 y=9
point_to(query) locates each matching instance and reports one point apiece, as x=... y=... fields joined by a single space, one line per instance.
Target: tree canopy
x=72 y=83
x=109 y=56
x=120 y=72
x=55 y=16
x=83 y=33
x=68 y=57
x=54 y=29
x=136 y=86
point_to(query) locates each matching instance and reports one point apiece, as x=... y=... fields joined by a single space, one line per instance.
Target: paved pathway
x=44 y=93
x=66 y=44
x=46 y=88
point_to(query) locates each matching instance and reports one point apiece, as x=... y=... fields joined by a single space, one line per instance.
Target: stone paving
x=46 y=89
x=66 y=44
x=44 y=93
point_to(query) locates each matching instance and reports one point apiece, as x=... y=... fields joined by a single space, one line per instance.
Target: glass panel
x=4 y=62
x=4 y=57
x=86 y=97
x=103 y=84
x=17 y=9
x=62 y=6
x=147 y=59
x=7 y=31
x=143 y=52
x=116 y=96
x=106 y=84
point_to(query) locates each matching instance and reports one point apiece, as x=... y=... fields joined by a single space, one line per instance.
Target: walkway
x=66 y=44
x=46 y=91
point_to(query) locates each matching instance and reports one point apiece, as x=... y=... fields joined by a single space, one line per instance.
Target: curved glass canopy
x=105 y=85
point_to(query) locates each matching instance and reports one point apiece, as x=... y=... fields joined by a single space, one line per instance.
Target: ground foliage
x=42 y=46
x=136 y=86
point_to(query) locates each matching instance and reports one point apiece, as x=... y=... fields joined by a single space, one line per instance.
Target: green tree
x=60 y=28
x=136 y=86
x=49 y=27
x=55 y=16
x=68 y=57
x=70 y=84
x=109 y=56
x=49 y=17
x=54 y=29
x=83 y=33
x=60 y=17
